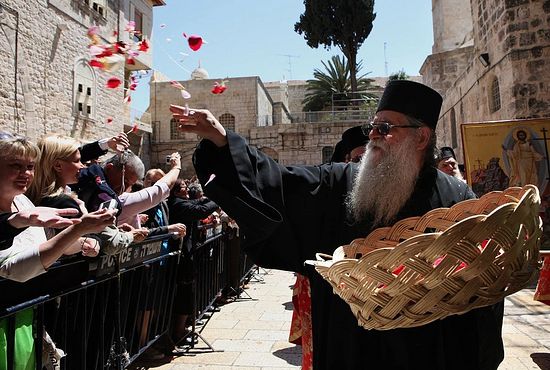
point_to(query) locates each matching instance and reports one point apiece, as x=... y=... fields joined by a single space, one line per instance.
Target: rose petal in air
x=195 y=41
x=113 y=82
x=96 y=63
x=109 y=120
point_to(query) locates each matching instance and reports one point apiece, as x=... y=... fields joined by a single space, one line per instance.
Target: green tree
x=401 y=75
x=334 y=84
x=342 y=23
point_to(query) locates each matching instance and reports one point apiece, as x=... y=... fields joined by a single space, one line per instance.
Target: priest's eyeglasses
x=383 y=128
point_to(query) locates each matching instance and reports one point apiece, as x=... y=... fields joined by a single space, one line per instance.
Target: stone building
x=269 y=115
x=490 y=61
x=47 y=84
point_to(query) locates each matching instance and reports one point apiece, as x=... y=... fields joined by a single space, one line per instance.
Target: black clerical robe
x=287 y=214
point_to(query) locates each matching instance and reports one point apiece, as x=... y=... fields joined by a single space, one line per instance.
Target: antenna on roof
x=289 y=63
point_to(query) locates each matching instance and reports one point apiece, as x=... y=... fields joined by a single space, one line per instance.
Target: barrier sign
x=131 y=256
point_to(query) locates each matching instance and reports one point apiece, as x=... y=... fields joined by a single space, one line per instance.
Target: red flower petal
x=127 y=99
x=143 y=46
x=130 y=61
x=113 y=82
x=96 y=63
x=109 y=120
x=133 y=87
x=194 y=41
x=135 y=128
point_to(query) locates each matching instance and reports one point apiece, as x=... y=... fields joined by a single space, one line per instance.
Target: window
x=454 y=140
x=175 y=134
x=84 y=89
x=494 y=96
x=98 y=6
x=228 y=121
x=327 y=153
x=138 y=19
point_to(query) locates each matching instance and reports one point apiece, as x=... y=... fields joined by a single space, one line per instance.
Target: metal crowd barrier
x=104 y=312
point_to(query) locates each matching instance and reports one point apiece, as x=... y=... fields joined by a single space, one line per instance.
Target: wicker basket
x=475 y=253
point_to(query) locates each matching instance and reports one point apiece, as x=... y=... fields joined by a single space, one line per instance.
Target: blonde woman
x=28 y=254
x=59 y=167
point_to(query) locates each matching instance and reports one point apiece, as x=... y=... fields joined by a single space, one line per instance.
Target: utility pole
x=385 y=59
x=289 y=63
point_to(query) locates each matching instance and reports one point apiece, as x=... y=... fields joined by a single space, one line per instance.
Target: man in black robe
x=287 y=214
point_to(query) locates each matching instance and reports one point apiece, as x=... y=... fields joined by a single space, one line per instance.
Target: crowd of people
x=58 y=199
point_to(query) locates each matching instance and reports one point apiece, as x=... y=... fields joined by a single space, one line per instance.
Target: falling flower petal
x=109 y=120
x=185 y=94
x=162 y=25
x=133 y=87
x=96 y=63
x=135 y=128
x=113 y=82
x=113 y=63
x=177 y=85
x=218 y=88
x=127 y=99
x=130 y=61
x=130 y=27
x=194 y=41
x=143 y=46
x=96 y=50
x=92 y=31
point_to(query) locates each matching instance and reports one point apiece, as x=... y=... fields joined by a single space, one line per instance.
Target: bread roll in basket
x=447 y=262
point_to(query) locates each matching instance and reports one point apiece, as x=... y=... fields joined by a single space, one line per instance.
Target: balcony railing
x=349 y=115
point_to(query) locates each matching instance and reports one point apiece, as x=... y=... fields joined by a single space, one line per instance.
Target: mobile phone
x=109 y=204
x=168 y=157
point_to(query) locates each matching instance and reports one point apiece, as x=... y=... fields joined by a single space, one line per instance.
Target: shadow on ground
x=542 y=360
x=291 y=355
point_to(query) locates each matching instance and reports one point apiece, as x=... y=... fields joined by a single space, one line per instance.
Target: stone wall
x=515 y=35
x=248 y=101
x=51 y=37
x=452 y=24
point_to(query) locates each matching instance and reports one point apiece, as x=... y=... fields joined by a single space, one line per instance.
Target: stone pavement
x=252 y=334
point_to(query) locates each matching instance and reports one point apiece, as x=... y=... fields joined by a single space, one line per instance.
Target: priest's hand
x=200 y=122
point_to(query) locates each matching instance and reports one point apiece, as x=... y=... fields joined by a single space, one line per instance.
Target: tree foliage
x=334 y=85
x=401 y=75
x=342 y=23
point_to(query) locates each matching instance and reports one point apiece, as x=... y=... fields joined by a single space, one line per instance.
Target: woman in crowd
x=29 y=253
x=59 y=167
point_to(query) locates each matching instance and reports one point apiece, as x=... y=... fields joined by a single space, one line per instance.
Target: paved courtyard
x=252 y=333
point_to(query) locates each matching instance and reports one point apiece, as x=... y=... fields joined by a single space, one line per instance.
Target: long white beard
x=385 y=181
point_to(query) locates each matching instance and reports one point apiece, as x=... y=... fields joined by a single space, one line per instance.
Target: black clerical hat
x=413 y=99
x=446 y=152
x=339 y=154
x=354 y=137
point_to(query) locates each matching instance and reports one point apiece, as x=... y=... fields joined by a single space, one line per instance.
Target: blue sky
x=255 y=37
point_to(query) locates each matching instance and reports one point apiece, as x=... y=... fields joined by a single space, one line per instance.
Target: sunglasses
x=383 y=128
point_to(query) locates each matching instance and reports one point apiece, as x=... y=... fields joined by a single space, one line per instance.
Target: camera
x=168 y=157
x=109 y=204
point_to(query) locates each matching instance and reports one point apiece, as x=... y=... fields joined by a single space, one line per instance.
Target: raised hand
x=200 y=122
x=179 y=229
x=119 y=143
x=44 y=217
x=94 y=222
x=90 y=247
